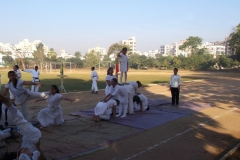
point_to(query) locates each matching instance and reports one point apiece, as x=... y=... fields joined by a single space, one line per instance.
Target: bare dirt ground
x=203 y=135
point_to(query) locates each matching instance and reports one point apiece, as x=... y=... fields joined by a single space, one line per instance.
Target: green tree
x=116 y=48
x=77 y=62
x=51 y=53
x=39 y=55
x=224 y=61
x=78 y=54
x=92 y=60
x=191 y=44
x=8 y=60
x=106 y=58
x=234 y=42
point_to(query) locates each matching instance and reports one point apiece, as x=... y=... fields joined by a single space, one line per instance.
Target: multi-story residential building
x=64 y=54
x=131 y=42
x=152 y=53
x=97 y=49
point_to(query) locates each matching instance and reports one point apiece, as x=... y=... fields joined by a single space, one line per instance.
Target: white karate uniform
x=4 y=134
x=122 y=94
x=19 y=75
x=144 y=100
x=52 y=114
x=108 y=77
x=94 y=77
x=131 y=93
x=30 y=134
x=104 y=109
x=134 y=85
x=22 y=95
x=123 y=67
x=35 y=78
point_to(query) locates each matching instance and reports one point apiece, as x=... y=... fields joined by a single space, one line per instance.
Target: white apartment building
x=98 y=49
x=24 y=48
x=216 y=50
x=152 y=53
x=131 y=42
x=64 y=54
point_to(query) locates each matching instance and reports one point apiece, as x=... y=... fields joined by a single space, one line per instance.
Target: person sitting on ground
x=140 y=102
x=52 y=114
x=30 y=147
x=103 y=110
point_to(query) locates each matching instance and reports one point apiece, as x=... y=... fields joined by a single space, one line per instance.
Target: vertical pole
x=70 y=67
x=99 y=67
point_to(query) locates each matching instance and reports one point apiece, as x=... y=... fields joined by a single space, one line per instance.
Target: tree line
x=198 y=59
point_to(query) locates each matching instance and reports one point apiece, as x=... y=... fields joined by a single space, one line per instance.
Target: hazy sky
x=76 y=25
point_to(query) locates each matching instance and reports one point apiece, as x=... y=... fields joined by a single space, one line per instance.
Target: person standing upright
x=124 y=64
x=35 y=77
x=94 y=77
x=175 y=82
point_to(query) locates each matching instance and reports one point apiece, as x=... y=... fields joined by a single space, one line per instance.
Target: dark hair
x=115 y=80
x=136 y=99
x=139 y=84
x=16 y=66
x=56 y=88
x=118 y=102
x=124 y=48
x=93 y=68
x=16 y=80
x=109 y=69
x=36 y=66
x=176 y=69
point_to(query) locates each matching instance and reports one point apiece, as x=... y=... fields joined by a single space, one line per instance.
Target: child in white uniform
x=52 y=114
x=94 y=77
x=103 y=110
x=30 y=135
x=135 y=85
x=140 y=102
x=124 y=64
x=108 y=79
x=122 y=94
x=35 y=77
x=22 y=95
x=131 y=93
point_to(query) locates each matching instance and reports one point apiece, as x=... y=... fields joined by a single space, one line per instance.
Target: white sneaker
x=123 y=116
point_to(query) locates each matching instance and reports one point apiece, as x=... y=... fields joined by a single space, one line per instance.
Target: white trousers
x=125 y=77
x=35 y=88
x=105 y=115
x=123 y=107
x=22 y=100
x=94 y=85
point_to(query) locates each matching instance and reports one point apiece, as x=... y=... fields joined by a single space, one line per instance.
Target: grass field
x=80 y=80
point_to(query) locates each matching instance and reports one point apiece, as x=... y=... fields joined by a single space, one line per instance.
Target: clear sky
x=76 y=25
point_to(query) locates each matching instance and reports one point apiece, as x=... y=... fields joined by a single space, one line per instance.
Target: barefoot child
x=103 y=110
x=52 y=114
x=21 y=94
x=124 y=64
x=94 y=77
x=140 y=102
x=30 y=135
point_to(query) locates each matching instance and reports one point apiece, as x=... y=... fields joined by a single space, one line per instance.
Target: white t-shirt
x=19 y=90
x=121 y=92
x=94 y=75
x=109 y=78
x=111 y=103
x=134 y=85
x=18 y=73
x=175 y=81
x=35 y=73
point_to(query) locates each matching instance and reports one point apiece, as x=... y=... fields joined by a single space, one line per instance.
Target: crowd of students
x=120 y=99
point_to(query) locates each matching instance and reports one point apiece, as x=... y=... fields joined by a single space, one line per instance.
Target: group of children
x=31 y=135
x=123 y=96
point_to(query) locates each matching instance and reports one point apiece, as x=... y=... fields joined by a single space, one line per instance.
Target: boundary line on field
x=179 y=134
x=229 y=153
